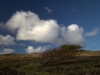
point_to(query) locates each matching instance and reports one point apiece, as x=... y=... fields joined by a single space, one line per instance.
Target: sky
x=34 y=26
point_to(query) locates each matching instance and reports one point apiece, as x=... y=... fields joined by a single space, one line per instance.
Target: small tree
x=70 y=49
x=61 y=53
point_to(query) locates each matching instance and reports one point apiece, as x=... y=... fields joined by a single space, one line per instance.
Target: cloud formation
x=6 y=40
x=30 y=27
x=73 y=34
x=92 y=33
x=7 y=51
x=48 y=10
x=39 y=49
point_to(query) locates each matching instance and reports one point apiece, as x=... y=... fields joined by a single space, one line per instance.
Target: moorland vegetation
x=64 y=60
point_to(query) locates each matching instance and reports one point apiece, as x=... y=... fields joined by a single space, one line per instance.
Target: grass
x=88 y=63
x=90 y=53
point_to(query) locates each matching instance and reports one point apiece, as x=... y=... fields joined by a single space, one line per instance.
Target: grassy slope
x=90 y=53
x=86 y=64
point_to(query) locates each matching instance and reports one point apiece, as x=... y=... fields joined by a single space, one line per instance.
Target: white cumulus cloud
x=92 y=33
x=7 y=51
x=73 y=34
x=6 y=40
x=39 y=49
x=30 y=27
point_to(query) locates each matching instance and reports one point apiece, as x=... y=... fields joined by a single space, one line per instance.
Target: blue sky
x=33 y=26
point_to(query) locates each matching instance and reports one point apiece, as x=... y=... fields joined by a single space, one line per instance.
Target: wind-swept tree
x=63 y=52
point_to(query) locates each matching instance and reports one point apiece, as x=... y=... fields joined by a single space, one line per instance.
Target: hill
x=87 y=63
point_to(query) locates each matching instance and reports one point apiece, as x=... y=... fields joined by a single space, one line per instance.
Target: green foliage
x=70 y=49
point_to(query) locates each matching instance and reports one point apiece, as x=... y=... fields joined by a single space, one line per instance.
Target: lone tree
x=70 y=49
x=63 y=52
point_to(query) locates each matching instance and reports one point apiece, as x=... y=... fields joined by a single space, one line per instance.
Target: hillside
x=88 y=63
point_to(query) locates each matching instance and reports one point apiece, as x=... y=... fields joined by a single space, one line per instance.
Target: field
x=87 y=63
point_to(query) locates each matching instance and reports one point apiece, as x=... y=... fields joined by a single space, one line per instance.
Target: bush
x=63 y=52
